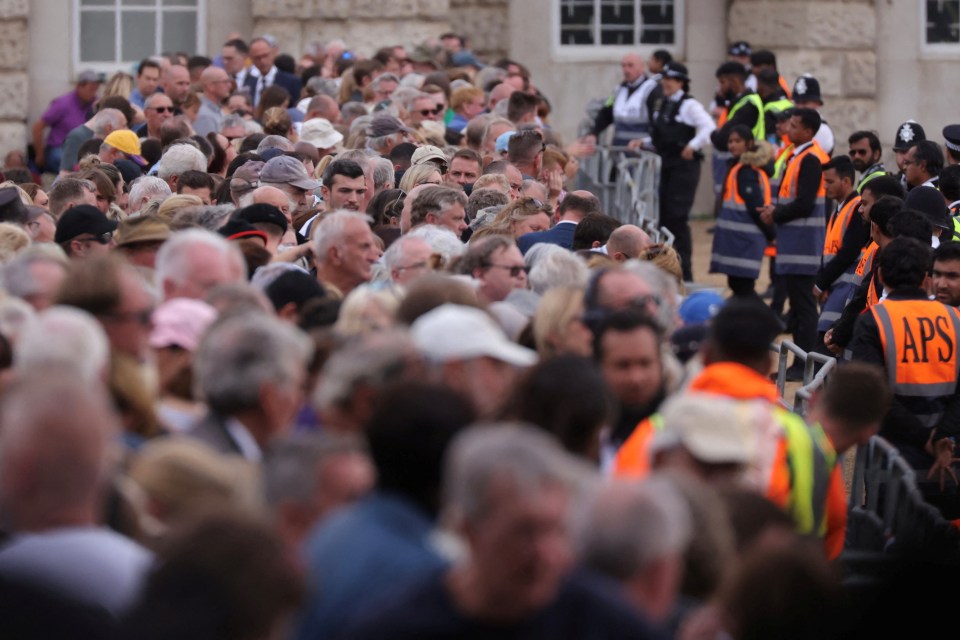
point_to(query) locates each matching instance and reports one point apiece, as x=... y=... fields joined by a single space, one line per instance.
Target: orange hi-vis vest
x=837 y=227
x=920 y=339
x=800 y=241
x=864 y=267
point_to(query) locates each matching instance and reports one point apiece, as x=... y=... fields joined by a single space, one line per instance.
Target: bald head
x=275 y=197
x=176 y=82
x=323 y=106
x=53 y=455
x=632 y=67
x=215 y=83
x=500 y=92
x=626 y=242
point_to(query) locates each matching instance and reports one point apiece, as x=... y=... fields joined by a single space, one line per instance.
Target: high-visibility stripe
x=759 y=129
x=740 y=227
x=738 y=262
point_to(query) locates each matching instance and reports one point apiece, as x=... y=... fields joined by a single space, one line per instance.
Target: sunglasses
x=859 y=152
x=515 y=271
x=163 y=109
x=103 y=238
x=430 y=112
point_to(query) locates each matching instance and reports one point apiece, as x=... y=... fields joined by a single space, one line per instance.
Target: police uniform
x=679 y=122
x=807 y=88
x=951 y=140
x=908 y=133
x=873 y=171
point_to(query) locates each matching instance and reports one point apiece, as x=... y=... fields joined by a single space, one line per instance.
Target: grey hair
x=413 y=81
x=480 y=251
x=376 y=360
x=67 y=339
x=440 y=239
x=145 y=188
x=384 y=77
x=663 y=285
x=15 y=317
x=488 y=74
x=633 y=525
x=107 y=118
x=553 y=266
x=291 y=461
x=323 y=86
x=179 y=158
x=528 y=456
x=483 y=198
x=403 y=92
x=383 y=173
x=16 y=276
x=379 y=142
x=274 y=142
x=210 y=217
x=172 y=263
x=330 y=230
x=395 y=255
x=241 y=353
x=355 y=110
x=411 y=99
x=231 y=120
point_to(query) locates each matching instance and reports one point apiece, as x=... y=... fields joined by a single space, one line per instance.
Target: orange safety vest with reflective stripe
x=838 y=226
x=800 y=241
x=920 y=339
x=864 y=267
x=786 y=88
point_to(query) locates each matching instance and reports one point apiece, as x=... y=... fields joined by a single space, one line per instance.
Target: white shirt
x=262 y=82
x=825 y=137
x=248 y=445
x=693 y=113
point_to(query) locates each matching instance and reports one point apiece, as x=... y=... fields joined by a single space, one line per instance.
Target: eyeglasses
x=430 y=112
x=162 y=109
x=515 y=271
x=416 y=265
x=907 y=162
x=859 y=152
x=103 y=238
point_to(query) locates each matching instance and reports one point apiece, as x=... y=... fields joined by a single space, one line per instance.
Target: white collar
x=245 y=441
x=797 y=150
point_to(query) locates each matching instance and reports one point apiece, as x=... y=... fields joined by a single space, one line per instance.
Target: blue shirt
x=361 y=554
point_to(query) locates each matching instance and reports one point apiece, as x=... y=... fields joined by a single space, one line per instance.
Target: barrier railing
x=813 y=377
x=887 y=511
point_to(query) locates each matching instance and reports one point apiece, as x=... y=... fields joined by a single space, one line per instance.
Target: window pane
x=97 y=36
x=617 y=19
x=139 y=34
x=943 y=21
x=139 y=3
x=179 y=31
x=179 y=3
x=576 y=21
x=657 y=18
x=96 y=3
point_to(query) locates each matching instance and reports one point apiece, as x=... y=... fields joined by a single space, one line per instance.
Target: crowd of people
x=332 y=347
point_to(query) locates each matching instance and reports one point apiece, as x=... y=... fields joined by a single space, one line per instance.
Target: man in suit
x=571 y=211
x=263 y=73
x=252 y=369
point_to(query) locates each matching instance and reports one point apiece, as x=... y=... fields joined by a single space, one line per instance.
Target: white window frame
x=944 y=50
x=109 y=68
x=606 y=52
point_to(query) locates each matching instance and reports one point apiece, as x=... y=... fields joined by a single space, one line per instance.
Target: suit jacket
x=288 y=81
x=561 y=234
x=212 y=431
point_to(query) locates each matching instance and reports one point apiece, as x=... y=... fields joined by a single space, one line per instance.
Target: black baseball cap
x=262 y=213
x=80 y=220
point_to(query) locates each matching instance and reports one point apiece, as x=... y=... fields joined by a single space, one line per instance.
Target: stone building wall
x=486 y=25
x=13 y=74
x=365 y=25
x=834 y=40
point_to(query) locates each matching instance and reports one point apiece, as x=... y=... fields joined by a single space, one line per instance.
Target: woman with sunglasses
x=741 y=237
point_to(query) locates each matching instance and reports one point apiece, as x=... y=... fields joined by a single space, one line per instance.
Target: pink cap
x=181 y=322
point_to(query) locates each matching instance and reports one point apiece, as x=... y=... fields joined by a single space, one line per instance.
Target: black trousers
x=804 y=307
x=678 y=186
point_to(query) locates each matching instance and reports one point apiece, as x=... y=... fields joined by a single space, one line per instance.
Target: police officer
x=917 y=341
x=865 y=152
x=806 y=93
x=681 y=128
x=745 y=106
x=800 y=220
x=908 y=134
x=951 y=142
x=629 y=107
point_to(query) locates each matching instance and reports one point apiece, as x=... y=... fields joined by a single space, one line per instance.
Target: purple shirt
x=64 y=114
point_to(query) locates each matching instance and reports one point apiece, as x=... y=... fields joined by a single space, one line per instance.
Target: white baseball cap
x=320 y=133
x=455 y=332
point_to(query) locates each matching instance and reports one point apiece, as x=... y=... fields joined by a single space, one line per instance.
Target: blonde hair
x=13 y=239
x=417 y=175
x=667 y=259
x=277 y=122
x=119 y=84
x=169 y=207
x=464 y=95
x=517 y=211
x=496 y=181
x=557 y=308
x=24 y=196
x=367 y=310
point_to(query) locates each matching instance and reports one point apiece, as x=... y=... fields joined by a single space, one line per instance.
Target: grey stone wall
x=485 y=23
x=365 y=25
x=13 y=74
x=834 y=40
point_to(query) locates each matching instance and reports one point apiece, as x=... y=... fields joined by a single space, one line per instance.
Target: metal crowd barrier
x=626 y=182
x=887 y=511
x=813 y=378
